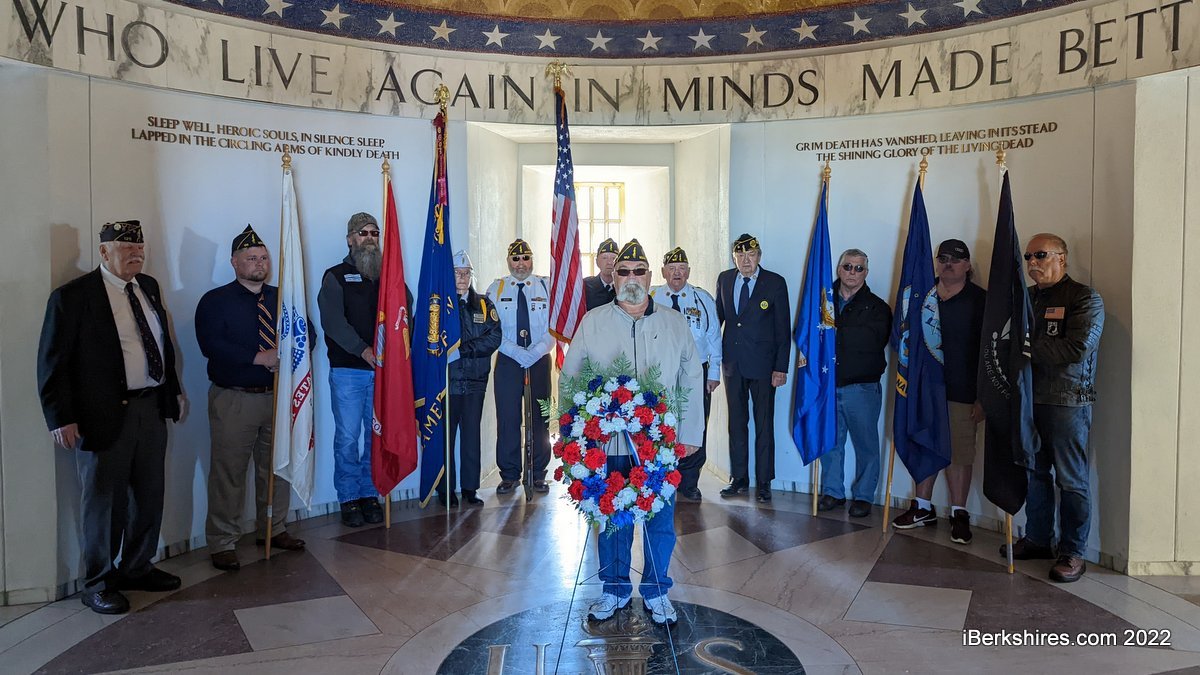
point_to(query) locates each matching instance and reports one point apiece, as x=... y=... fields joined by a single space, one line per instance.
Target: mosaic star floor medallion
x=559 y=637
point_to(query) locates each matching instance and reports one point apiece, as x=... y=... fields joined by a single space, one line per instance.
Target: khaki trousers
x=240 y=426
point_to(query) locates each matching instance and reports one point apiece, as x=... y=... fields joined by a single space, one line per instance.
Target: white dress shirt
x=700 y=310
x=137 y=367
x=503 y=294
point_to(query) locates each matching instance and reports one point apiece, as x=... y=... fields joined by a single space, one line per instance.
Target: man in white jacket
x=647 y=336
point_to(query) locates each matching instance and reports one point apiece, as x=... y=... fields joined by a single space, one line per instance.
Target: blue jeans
x=353 y=400
x=858 y=408
x=658 y=543
x=1064 y=433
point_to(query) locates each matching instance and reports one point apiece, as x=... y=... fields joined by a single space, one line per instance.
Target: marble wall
x=174 y=48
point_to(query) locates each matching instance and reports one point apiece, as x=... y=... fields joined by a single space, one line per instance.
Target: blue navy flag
x=920 y=423
x=814 y=394
x=1010 y=440
x=436 y=330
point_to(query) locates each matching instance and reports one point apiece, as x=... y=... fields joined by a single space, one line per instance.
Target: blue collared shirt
x=227 y=330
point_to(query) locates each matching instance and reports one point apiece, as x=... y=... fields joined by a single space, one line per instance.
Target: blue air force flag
x=814 y=395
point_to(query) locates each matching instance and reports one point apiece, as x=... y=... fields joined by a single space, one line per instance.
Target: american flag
x=566 y=280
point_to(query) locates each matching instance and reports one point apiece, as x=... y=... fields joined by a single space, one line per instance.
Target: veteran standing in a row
x=107 y=381
x=523 y=301
x=235 y=327
x=648 y=337
x=700 y=311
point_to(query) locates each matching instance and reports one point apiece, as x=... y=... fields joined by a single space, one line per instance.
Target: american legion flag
x=294 y=410
x=436 y=323
x=566 y=280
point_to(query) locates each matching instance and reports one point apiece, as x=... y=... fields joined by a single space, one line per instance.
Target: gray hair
x=855 y=253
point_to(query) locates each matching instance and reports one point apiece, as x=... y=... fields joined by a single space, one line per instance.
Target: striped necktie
x=266 y=325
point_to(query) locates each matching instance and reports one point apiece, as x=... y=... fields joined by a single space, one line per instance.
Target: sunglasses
x=639 y=272
x=1040 y=255
x=520 y=258
x=948 y=259
x=369 y=233
x=854 y=268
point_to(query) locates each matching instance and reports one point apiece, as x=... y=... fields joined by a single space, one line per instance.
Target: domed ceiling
x=622 y=29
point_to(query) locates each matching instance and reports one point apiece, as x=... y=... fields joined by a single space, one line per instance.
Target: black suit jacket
x=758 y=341
x=81 y=370
x=594 y=293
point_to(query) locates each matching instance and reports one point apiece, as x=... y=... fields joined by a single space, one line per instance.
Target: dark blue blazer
x=758 y=341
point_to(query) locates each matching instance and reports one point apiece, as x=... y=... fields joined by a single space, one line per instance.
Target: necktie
x=675 y=301
x=744 y=296
x=266 y=326
x=153 y=357
x=522 y=317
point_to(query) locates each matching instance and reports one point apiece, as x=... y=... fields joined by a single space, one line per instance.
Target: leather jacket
x=1068 y=319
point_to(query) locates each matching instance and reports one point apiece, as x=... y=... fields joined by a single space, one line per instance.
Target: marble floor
x=504 y=589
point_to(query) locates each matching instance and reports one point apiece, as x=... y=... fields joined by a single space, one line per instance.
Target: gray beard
x=632 y=293
x=368 y=260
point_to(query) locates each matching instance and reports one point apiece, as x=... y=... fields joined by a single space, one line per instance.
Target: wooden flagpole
x=287 y=168
x=826 y=174
x=386 y=169
x=1008 y=524
x=887 y=501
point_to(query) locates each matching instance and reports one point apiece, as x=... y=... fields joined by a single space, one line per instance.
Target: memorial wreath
x=601 y=409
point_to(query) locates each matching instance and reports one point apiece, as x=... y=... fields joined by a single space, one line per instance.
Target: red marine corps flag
x=394 y=422
x=566 y=281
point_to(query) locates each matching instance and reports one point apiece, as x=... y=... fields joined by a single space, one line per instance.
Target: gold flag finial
x=1000 y=159
x=924 y=166
x=287 y=161
x=826 y=172
x=442 y=94
x=387 y=168
x=557 y=69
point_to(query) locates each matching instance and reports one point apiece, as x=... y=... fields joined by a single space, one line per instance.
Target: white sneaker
x=606 y=606
x=661 y=610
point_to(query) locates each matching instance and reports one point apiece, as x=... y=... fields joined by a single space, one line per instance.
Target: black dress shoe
x=372 y=511
x=506 y=486
x=860 y=508
x=735 y=488
x=440 y=498
x=764 y=495
x=106 y=602
x=155 y=581
x=541 y=486
x=691 y=494
x=827 y=503
x=470 y=498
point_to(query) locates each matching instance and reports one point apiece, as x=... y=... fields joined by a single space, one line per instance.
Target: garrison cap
x=745 y=244
x=247 y=239
x=129 y=231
